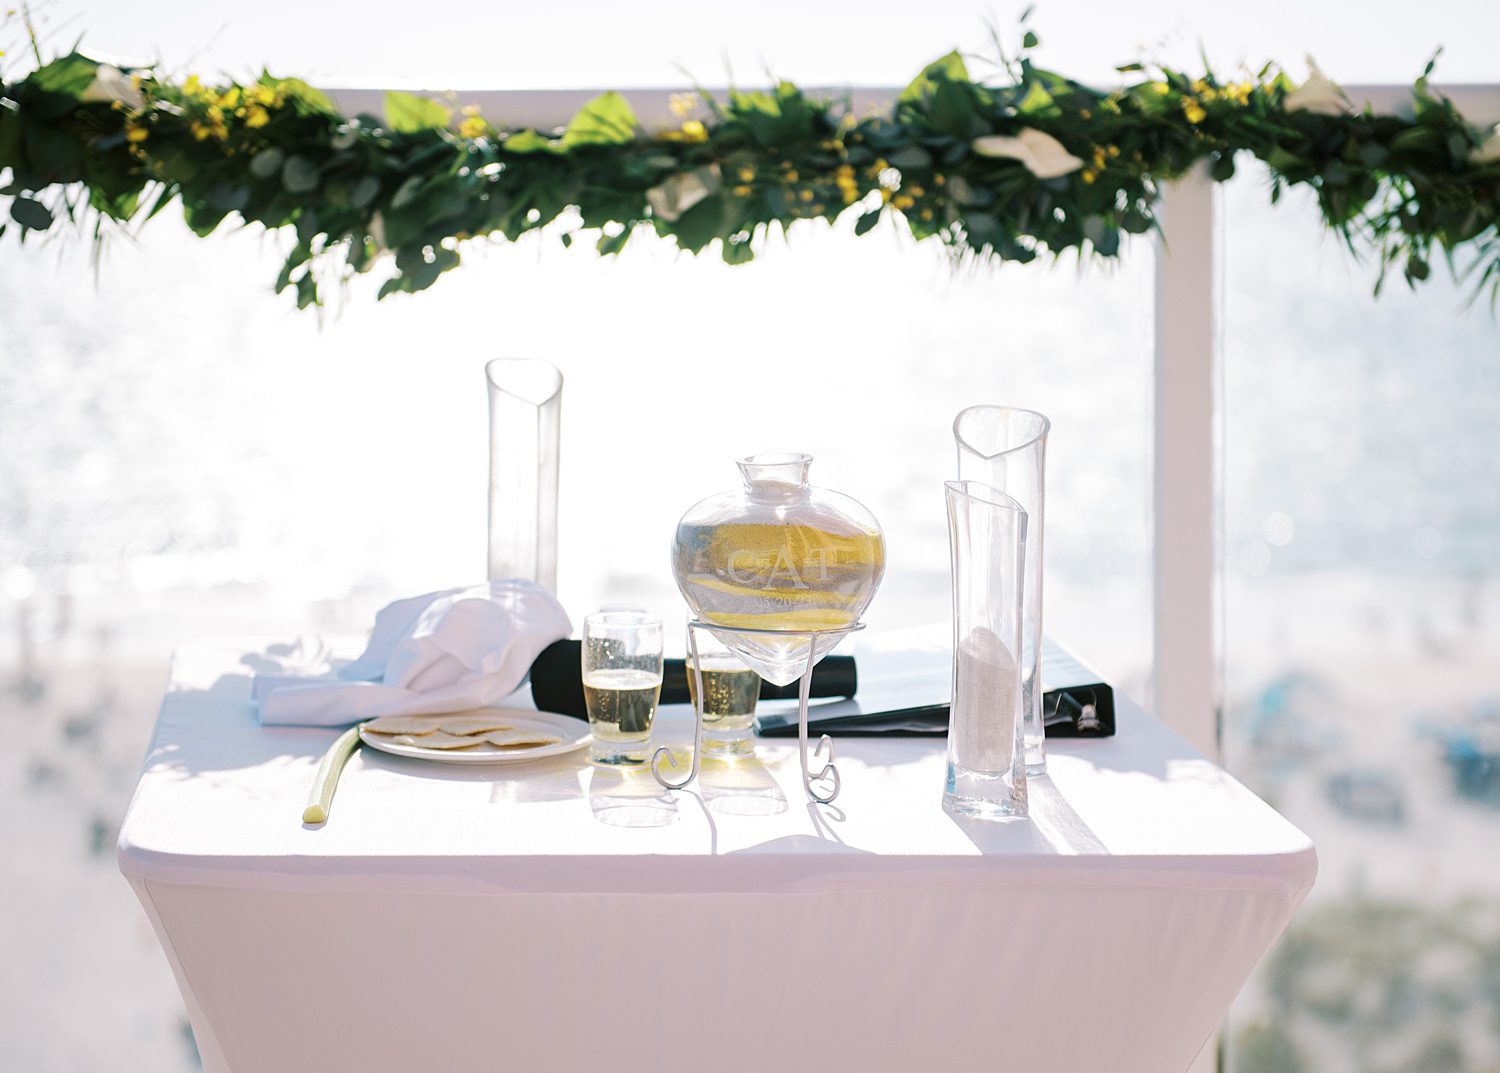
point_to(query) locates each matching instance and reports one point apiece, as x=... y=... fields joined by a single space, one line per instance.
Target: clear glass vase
x=778 y=556
x=986 y=730
x=525 y=423
x=1006 y=448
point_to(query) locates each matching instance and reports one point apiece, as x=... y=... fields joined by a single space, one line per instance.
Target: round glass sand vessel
x=778 y=555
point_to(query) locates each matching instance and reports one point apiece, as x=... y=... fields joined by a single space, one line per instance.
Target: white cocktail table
x=553 y=918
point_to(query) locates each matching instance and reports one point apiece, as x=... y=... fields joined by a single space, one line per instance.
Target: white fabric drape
x=503 y=919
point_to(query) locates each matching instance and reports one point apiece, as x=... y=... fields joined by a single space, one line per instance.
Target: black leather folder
x=1076 y=703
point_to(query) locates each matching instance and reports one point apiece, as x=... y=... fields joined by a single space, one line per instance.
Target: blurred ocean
x=181 y=454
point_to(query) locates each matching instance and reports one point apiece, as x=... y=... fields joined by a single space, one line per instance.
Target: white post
x=1185 y=682
x=1186 y=679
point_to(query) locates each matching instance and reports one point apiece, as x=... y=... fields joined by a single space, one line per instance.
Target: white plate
x=573 y=732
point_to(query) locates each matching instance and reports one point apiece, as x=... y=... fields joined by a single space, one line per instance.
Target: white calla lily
x=112 y=84
x=1488 y=151
x=1319 y=94
x=1044 y=156
x=677 y=193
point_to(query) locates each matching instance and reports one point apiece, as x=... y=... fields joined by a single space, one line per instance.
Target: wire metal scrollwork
x=821 y=786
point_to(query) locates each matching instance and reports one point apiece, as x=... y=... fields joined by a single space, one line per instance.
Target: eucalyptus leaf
x=611 y=244
x=299 y=175
x=954 y=112
x=54 y=89
x=982 y=223
x=949 y=68
x=267 y=162
x=701 y=224
x=30 y=213
x=11 y=131
x=201 y=217
x=407 y=113
x=364 y=191
x=311 y=99
x=1283 y=160
x=606 y=120
x=1037 y=101
x=738 y=250
x=529 y=141
x=231 y=197
x=911 y=158
x=53 y=154
x=284 y=278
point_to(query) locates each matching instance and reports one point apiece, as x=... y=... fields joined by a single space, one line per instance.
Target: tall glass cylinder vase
x=525 y=424
x=1006 y=448
x=986 y=731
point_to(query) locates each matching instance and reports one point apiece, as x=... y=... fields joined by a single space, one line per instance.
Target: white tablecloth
x=553 y=918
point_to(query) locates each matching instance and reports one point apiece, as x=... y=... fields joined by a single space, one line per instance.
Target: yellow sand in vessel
x=784 y=577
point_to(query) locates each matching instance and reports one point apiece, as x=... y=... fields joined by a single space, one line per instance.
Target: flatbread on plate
x=472 y=723
x=403 y=724
x=519 y=739
x=437 y=739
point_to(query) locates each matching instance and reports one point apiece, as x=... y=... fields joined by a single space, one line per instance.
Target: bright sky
x=593 y=43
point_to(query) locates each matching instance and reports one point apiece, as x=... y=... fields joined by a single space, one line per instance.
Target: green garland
x=1039 y=164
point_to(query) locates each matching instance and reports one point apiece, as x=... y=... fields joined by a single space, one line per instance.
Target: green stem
x=320 y=800
x=36 y=46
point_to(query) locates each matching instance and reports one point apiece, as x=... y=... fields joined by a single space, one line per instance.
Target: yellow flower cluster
x=1238 y=92
x=744 y=189
x=692 y=130
x=1103 y=154
x=473 y=124
x=212 y=126
x=253 y=105
x=845 y=181
x=1204 y=93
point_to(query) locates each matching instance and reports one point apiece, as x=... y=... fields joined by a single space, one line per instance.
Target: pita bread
x=438 y=740
x=472 y=723
x=403 y=724
x=520 y=739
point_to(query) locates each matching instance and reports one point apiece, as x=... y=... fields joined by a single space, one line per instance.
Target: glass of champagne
x=622 y=652
x=730 y=690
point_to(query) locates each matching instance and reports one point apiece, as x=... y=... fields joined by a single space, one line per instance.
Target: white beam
x=549 y=109
x=1186 y=679
x=546 y=109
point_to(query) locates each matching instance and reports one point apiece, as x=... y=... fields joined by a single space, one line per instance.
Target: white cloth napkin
x=442 y=652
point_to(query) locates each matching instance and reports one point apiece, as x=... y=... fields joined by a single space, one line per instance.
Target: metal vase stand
x=821 y=786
